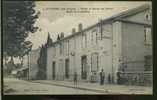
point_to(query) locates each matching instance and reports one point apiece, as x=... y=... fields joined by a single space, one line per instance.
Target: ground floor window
x=94 y=62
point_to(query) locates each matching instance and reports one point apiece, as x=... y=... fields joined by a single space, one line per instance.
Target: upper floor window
x=107 y=30
x=61 y=48
x=148 y=36
x=148 y=16
x=54 y=51
x=94 y=37
x=67 y=47
x=84 y=40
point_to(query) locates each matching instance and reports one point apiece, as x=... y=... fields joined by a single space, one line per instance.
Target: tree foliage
x=42 y=60
x=18 y=21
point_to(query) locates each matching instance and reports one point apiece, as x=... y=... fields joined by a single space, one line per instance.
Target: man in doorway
x=102 y=77
x=75 y=78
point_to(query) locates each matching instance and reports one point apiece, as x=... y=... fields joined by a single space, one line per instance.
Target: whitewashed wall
x=117 y=39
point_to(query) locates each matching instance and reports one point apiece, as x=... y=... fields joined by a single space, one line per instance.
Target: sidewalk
x=104 y=89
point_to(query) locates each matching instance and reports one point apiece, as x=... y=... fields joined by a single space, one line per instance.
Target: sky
x=61 y=16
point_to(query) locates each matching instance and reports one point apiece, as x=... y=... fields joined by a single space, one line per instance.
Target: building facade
x=121 y=43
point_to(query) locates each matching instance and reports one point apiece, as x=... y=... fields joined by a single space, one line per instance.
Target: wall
x=119 y=40
x=117 y=48
x=133 y=45
x=134 y=48
x=33 y=67
x=141 y=17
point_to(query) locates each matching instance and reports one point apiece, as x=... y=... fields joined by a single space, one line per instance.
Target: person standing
x=102 y=77
x=75 y=78
x=109 y=79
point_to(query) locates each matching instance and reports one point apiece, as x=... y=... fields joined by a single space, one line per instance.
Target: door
x=67 y=68
x=53 y=70
x=84 y=67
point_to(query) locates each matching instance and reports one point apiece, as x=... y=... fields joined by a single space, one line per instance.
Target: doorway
x=84 y=67
x=53 y=70
x=67 y=68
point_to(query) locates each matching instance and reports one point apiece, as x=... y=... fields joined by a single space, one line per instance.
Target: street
x=15 y=86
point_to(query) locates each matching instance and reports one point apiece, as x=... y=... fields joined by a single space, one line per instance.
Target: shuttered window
x=94 y=62
x=148 y=36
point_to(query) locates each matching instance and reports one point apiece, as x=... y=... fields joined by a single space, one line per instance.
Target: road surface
x=15 y=86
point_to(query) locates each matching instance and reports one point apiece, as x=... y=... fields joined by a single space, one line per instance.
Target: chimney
x=62 y=35
x=80 y=27
x=73 y=31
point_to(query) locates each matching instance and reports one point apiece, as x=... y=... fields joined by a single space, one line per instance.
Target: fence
x=136 y=78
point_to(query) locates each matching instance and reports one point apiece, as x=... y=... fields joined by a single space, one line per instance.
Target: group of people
x=102 y=77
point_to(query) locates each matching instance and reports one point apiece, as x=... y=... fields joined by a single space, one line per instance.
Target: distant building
x=33 y=63
x=38 y=60
x=120 y=44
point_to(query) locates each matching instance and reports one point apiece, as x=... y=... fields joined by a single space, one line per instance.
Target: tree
x=58 y=37
x=42 y=60
x=49 y=40
x=18 y=21
x=62 y=35
x=41 y=74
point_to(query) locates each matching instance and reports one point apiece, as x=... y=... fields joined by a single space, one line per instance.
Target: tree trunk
x=11 y=64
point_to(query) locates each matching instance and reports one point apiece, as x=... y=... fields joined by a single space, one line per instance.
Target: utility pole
x=28 y=66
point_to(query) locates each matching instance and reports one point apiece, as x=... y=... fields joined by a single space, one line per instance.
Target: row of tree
x=19 y=18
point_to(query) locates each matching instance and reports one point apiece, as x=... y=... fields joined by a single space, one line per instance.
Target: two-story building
x=121 y=43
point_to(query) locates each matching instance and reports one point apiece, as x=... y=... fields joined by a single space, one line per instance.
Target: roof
x=23 y=68
x=111 y=19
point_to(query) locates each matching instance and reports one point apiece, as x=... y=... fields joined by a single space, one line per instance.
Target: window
x=94 y=36
x=148 y=63
x=148 y=16
x=61 y=48
x=54 y=53
x=106 y=31
x=84 y=40
x=148 y=36
x=75 y=43
x=61 y=68
x=68 y=47
x=100 y=29
x=94 y=62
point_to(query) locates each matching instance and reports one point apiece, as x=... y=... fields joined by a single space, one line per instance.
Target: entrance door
x=84 y=67
x=67 y=68
x=53 y=70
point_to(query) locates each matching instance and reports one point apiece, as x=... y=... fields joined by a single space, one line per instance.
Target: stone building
x=121 y=43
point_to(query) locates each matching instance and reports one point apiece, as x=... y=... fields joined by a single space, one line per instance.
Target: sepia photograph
x=77 y=48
